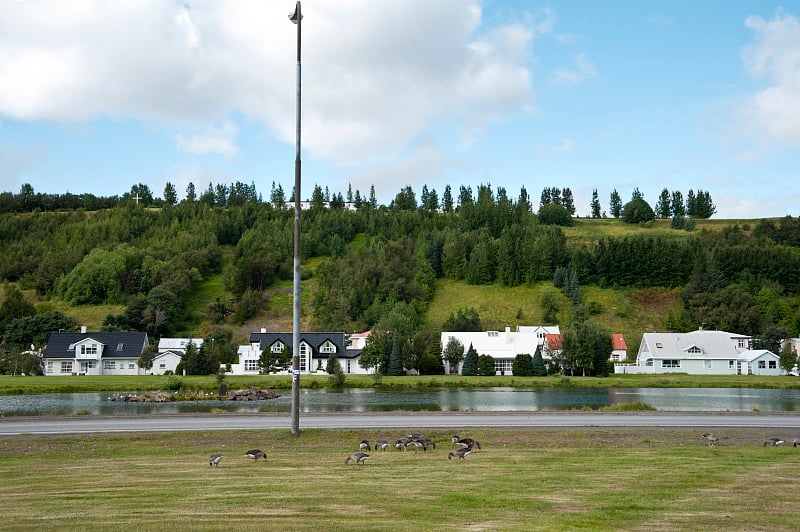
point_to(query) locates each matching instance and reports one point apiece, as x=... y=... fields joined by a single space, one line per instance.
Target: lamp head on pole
x=297 y=16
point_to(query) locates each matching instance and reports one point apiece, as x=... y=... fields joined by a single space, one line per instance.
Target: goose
x=773 y=442
x=255 y=454
x=421 y=442
x=364 y=445
x=358 y=458
x=214 y=460
x=460 y=453
x=711 y=438
x=401 y=444
x=381 y=444
x=796 y=442
x=469 y=443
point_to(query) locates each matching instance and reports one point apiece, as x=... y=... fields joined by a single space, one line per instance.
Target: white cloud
x=565 y=146
x=772 y=115
x=375 y=74
x=221 y=140
x=584 y=70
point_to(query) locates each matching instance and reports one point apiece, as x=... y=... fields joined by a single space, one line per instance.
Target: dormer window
x=694 y=349
x=659 y=345
x=327 y=347
x=492 y=334
x=119 y=346
x=89 y=349
x=277 y=347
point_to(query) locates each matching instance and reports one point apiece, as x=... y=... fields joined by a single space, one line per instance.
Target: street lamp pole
x=296 y=18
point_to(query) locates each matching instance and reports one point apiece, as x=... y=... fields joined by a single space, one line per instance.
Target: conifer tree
x=538 y=367
x=615 y=204
x=395 y=359
x=595 y=205
x=470 y=366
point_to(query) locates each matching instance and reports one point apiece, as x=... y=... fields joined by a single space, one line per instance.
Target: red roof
x=618 y=342
x=552 y=341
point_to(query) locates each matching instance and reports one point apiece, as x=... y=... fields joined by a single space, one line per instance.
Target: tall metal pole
x=296 y=18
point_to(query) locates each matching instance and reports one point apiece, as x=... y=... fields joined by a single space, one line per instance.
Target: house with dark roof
x=315 y=349
x=94 y=353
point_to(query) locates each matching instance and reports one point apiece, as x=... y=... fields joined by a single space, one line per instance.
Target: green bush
x=172 y=383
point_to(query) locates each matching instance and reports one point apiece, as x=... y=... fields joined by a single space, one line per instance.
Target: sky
x=98 y=96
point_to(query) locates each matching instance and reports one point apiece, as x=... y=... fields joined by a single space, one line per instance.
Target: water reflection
x=425 y=399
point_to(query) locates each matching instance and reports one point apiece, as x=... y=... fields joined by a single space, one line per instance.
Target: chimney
x=263 y=329
x=83 y=329
x=508 y=334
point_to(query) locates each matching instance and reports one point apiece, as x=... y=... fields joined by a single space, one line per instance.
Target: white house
x=502 y=346
x=315 y=349
x=94 y=353
x=701 y=352
x=171 y=352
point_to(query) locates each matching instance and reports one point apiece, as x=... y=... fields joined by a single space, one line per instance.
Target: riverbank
x=19 y=385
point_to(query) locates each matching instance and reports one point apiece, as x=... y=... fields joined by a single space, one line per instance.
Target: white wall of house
x=71 y=366
x=163 y=362
x=502 y=346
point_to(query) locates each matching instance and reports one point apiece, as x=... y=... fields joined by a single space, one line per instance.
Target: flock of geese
x=465 y=446
x=415 y=441
x=713 y=440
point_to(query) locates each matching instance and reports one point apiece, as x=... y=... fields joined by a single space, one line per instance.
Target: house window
x=251 y=365
x=670 y=363
x=327 y=347
x=707 y=364
x=91 y=364
x=658 y=345
x=303 y=356
x=162 y=366
x=277 y=347
x=89 y=349
x=120 y=346
x=742 y=343
x=694 y=349
x=493 y=333
x=49 y=367
x=66 y=366
x=502 y=365
x=348 y=366
x=730 y=364
x=773 y=364
x=762 y=364
x=131 y=365
x=109 y=364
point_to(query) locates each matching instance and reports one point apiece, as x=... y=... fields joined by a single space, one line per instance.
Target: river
x=425 y=399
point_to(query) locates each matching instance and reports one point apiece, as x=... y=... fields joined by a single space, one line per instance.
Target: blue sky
x=98 y=96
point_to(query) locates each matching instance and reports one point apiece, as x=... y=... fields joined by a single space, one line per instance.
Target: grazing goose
x=255 y=454
x=711 y=438
x=364 y=445
x=381 y=444
x=401 y=444
x=214 y=460
x=796 y=442
x=773 y=442
x=420 y=442
x=469 y=443
x=358 y=458
x=460 y=453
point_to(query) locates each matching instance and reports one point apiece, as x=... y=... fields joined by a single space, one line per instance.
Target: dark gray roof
x=314 y=339
x=117 y=344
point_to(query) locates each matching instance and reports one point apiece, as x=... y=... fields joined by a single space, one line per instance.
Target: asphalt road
x=393 y=420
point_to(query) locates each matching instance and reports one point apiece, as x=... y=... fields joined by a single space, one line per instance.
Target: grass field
x=583 y=479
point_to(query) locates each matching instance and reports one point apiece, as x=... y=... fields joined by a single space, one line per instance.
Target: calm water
x=437 y=399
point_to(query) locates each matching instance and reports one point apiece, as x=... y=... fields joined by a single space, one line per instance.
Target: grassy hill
x=624 y=310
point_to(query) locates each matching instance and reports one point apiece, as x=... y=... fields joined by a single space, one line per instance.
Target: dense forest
x=377 y=266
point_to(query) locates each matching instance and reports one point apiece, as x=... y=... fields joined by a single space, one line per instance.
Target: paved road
x=392 y=420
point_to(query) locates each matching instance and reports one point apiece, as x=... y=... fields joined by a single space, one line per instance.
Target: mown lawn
x=585 y=479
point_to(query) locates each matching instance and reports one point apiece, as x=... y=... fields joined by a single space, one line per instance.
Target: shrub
x=172 y=383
